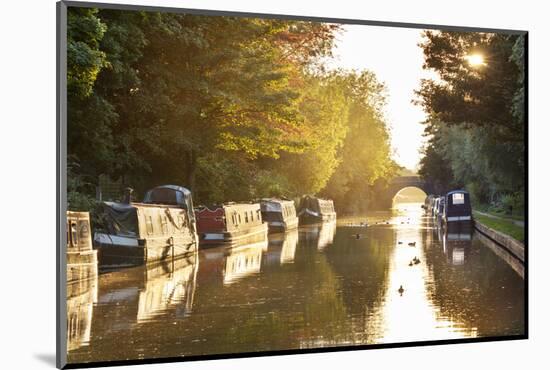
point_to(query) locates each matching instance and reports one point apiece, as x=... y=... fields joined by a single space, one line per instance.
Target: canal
x=319 y=286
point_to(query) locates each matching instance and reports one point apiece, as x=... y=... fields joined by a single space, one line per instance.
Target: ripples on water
x=319 y=286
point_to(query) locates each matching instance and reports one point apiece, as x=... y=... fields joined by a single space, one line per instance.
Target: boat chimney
x=128 y=195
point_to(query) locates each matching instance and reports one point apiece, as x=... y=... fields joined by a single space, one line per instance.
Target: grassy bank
x=505 y=226
x=519 y=215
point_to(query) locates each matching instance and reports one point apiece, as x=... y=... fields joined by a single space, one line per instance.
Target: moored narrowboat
x=279 y=214
x=163 y=226
x=313 y=210
x=82 y=279
x=81 y=258
x=230 y=224
x=457 y=210
x=440 y=209
x=435 y=206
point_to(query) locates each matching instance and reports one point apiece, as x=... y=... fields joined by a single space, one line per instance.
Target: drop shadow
x=47 y=358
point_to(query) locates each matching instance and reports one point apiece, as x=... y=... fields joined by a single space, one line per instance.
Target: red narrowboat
x=230 y=224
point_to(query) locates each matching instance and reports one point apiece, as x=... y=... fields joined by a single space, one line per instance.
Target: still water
x=319 y=286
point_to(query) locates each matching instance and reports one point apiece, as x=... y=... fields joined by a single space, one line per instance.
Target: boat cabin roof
x=169 y=195
x=173 y=187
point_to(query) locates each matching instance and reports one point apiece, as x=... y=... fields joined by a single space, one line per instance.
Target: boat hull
x=233 y=238
x=282 y=226
x=314 y=217
x=121 y=251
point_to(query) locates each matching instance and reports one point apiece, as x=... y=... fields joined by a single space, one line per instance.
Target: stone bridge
x=401 y=182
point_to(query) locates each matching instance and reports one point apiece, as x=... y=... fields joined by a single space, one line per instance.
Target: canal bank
x=511 y=245
x=512 y=227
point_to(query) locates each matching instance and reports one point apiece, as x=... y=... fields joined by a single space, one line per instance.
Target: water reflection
x=322 y=234
x=81 y=296
x=408 y=311
x=145 y=293
x=456 y=244
x=474 y=286
x=282 y=247
x=314 y=287
x=168 y=285
x=243 y=261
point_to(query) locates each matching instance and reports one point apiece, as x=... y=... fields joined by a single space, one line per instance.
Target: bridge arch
x=401 y=182
x=409 y=194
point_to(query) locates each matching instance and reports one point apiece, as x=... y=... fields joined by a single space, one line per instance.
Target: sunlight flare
x=475 y=60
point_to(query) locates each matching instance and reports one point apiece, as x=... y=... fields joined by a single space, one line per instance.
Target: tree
x=476 y=125
x=366 y=151
x=232 y=108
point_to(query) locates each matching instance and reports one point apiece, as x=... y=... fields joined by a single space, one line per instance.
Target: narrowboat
x=230 y=224
x=428 y=202
x=435 y=206
x=81 y=257
x=161 y=227
x=457 y=209
x=313 y=210
x=279 y=214
x=82 y=278
x=440 y=209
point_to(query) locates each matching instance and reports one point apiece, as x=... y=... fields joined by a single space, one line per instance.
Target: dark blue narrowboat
x=457 y=209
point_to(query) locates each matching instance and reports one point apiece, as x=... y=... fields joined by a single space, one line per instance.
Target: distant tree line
x=232 y=108
x=476 y=118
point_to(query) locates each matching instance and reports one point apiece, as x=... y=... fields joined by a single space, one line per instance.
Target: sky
x=394 y=56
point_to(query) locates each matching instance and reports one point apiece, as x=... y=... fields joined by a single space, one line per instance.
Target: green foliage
x=84 y=59
x=510 y=204
x=232 y=108
x=79 y=191
x=476 y=120
x=365 y=153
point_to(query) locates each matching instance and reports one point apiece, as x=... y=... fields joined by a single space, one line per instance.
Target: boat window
x=149 y=224
x=246 y=217
x=164 y=224
x=74 y=234
x=458 y=198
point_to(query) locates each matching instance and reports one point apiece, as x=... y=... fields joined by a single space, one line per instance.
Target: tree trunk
x=191 y=171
